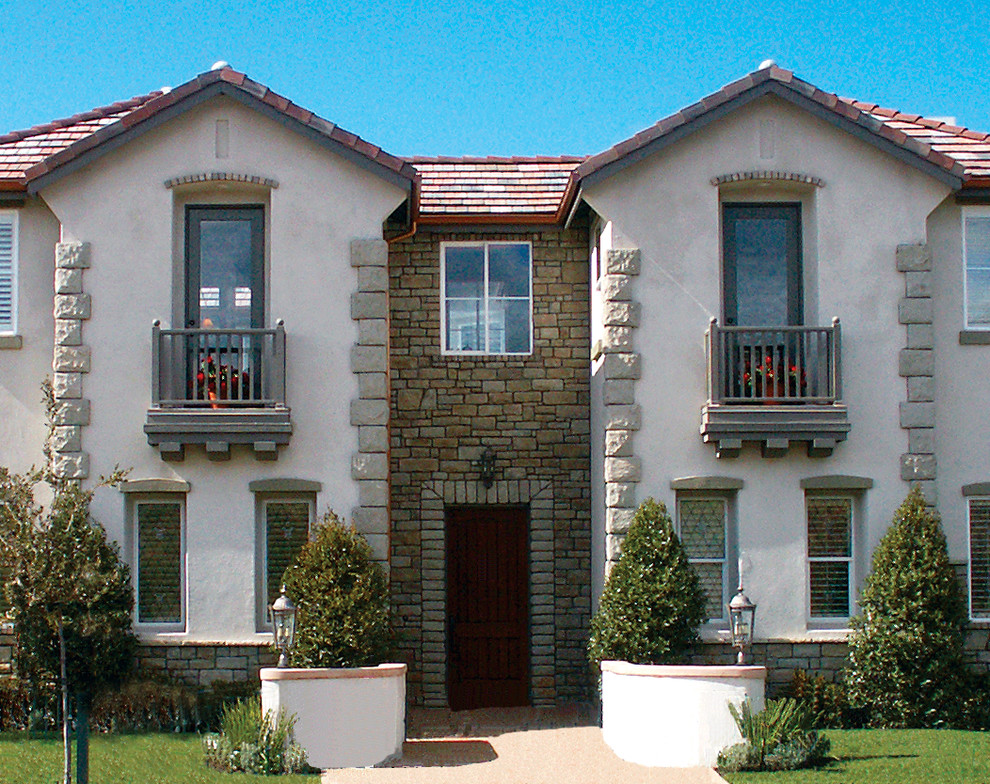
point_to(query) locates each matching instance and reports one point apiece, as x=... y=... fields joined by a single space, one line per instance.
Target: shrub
x=341 y=596
x=906 y=650
x=779 y=737
x=652 y=603
x=251 y=743
x=827 y=702
x=146 y=706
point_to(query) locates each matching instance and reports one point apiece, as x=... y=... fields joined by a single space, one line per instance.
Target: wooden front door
x=487 y=606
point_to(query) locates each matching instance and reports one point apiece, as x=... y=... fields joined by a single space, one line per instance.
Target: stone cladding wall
x=201 y=664
x=534 y=412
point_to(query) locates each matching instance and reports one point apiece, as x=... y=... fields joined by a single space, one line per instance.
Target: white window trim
x=969 y=563
x=729 y=568
x=970 y=212
x=486 y=244
x=262 y=500
x=15 y=268
x=833 y=621
x=133 y=502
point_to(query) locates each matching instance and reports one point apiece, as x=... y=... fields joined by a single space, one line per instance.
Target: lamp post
x=742 y=614
x=284 y=618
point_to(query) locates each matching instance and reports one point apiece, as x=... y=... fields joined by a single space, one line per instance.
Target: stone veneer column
x=71 y=360
x=622 y=414
x=917 y=366
x=369 y=411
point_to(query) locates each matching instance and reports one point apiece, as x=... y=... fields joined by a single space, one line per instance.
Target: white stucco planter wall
x=345 y=718
x=674 y=716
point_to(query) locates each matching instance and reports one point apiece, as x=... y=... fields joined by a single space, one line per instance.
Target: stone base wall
x=6 y=653
x=200 y=665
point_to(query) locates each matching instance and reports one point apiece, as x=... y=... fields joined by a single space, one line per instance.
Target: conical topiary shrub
x=906 y=664
x=341 y=596
x=652 y=603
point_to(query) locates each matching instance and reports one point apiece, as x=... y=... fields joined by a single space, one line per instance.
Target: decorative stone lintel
x=249 y=179
x=767 y=176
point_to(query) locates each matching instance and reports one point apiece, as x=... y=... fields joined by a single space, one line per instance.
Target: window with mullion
x=976 y=249
x=285 y=526
x=830 y=556
x=160 y=562
x=487 y=298
x=702 y=527
x=979 y=558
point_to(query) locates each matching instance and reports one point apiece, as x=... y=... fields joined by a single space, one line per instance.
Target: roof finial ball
x=768 y=63
x=219 y=65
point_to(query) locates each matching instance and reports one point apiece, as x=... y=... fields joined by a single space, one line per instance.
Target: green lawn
x=121 y=759
x=893 y=757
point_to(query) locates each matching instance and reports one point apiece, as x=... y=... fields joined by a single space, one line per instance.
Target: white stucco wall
x=23 y=426
x=121 y=206
x=962 y=416
x=666 y=206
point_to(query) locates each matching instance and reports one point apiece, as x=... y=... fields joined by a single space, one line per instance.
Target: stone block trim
x=621 y=369
x=533 y=411
x=543 y=618
x=916 y=364
x=370 y=410
x=72 y=360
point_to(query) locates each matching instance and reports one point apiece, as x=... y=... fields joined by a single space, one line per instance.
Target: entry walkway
x=512 y=746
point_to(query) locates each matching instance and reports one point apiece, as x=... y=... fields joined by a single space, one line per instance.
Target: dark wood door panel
x=487 y=606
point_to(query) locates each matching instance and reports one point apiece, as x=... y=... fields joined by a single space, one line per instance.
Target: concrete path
x=524 y=747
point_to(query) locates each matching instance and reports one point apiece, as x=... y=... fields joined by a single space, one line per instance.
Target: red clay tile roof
x=21 y=150
x=955 y=152
x=509 y=189
x=969 y=148
x=24 y=161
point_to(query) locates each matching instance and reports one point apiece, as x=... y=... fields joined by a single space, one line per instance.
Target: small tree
x=341 y=596
x=906 y=662
x=652 y=603
x=69 y=594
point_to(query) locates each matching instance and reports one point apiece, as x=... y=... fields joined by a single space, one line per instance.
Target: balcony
x=775 y=386
x=218 y=387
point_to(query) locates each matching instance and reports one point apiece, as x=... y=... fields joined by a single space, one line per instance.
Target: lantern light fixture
x=284 y=618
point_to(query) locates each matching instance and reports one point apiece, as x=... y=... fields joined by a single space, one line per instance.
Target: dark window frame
x=789 y=211
x=195 y=214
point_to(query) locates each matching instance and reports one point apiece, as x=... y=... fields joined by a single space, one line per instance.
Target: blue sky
x=494 y=78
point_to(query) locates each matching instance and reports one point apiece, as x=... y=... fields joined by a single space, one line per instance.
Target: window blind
x=979 y=557
x=8 y=239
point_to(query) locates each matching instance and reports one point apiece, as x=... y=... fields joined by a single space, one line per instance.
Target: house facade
x=769 y=311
